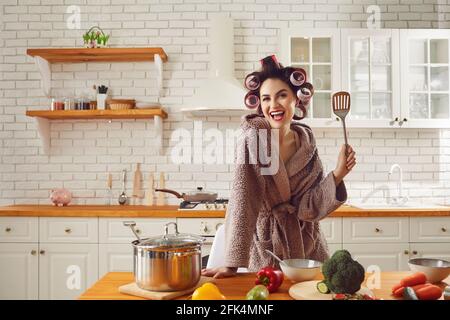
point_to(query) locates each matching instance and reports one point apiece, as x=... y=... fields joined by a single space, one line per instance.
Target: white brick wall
x=83 y=151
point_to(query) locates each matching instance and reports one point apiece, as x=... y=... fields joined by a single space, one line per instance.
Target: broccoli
x=342 y=273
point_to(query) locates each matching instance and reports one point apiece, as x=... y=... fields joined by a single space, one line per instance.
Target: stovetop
x=218 y=204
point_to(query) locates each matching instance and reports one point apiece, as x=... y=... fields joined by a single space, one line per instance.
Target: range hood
x=221 y=93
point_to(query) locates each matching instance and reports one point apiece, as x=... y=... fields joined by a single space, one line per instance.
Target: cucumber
x=322 y=287
x=409 y=294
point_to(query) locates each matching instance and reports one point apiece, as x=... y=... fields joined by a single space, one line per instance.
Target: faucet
x=400 y=199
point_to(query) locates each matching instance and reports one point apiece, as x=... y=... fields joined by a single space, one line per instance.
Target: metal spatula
x=341 y=107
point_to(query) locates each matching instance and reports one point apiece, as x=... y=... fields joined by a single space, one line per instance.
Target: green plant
x=95 y=37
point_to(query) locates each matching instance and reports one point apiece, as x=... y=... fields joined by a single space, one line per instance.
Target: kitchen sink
x=387 y=206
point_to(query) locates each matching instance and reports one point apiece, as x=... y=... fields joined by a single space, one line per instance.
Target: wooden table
x=234 y=288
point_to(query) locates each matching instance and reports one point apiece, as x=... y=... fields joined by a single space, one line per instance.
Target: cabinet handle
x=414 y=252
x=337 y=119
x=205 y=228
x=444 y=229
x=68 y=230
x=42 y=252
x=33 y=252
x=396 y=119
x=377 y=230
x=138 y=231
x=8 y=229
x=406 y=252
x=405 y=119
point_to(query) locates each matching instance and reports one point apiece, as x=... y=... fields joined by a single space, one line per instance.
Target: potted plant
x=95 y=38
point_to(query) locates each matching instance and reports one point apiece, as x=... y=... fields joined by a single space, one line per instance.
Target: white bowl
x=436 y=270
x=298 y=270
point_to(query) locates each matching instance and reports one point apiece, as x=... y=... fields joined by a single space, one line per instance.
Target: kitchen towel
x=134 y=290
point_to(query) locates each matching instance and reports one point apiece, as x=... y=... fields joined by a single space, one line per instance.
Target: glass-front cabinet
x=316 y=51
x=396 y=78
x=425 y=75
x=370 y=71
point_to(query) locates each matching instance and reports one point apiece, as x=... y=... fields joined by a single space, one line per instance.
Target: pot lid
x=170 y=241
x=200 y=191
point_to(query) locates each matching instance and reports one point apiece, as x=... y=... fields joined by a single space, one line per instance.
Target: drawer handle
x=414 y=252
x=138 y=231
x=33 y=252
x=444 y=229
x=8 y=229
x=377 y=230
x=406 y=252
x=42 y=252
x=205 y=228
x=68 y=230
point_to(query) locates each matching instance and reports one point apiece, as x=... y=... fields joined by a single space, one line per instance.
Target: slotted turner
x=341 y=107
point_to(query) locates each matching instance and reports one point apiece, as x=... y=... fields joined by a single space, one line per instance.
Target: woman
x=280 y=212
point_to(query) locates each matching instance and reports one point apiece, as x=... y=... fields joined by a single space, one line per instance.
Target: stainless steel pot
x=193 y=196
x=171 y=262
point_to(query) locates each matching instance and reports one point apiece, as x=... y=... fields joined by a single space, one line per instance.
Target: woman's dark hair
x=295 y=78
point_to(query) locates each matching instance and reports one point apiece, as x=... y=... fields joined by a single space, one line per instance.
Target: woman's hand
x=217 y=273
x=345 y=163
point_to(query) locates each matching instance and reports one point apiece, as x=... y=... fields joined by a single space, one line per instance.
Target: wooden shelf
x=98 y=114
x=53 y=55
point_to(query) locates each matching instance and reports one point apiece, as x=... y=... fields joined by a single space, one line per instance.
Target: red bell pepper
x=270 y=277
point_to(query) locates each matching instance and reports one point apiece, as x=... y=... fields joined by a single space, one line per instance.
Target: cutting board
x=134 y=290
x=308 y=291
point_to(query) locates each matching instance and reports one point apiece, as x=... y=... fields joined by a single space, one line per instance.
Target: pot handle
x=170 y=191
x=166 y=228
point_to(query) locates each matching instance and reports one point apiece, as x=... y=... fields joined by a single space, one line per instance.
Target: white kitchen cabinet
x=430 y=250
x=371 y=74
x=68 y=230
x=430 y=229
x=397 y=78
x=66 y=270
x=19 y=271
x=19 y=229
x=375 y=230
x=318 y=52
x=333 y=247
x=425 y=78
x=115 y=258
x=332 y=230
x=388 y=256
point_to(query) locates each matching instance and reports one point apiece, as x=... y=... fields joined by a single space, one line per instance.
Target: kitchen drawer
x=332 y=229
x=19 y=229
x=430 y=229
x=200 y=226
x=379 y=230
x=112 y=230
x=68 y=230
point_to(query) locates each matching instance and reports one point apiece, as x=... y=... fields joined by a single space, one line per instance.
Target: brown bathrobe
x=279 y=212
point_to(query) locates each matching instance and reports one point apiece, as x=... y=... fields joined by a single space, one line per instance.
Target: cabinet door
x=430 y=250
x=66 y=270
x=425 y=60
x=318 y=52
x=115 y=258
x=19 y=271
x=332 y=229
x=333 y=247
x=370 y=73
x=388 y=256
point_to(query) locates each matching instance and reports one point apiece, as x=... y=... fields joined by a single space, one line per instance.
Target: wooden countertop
x=171 y=211
x=234 y=288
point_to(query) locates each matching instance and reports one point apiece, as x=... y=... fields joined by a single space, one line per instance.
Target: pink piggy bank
x=60 y=197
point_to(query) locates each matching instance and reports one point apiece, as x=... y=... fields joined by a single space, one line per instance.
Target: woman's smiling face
x=277 y=102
